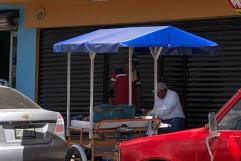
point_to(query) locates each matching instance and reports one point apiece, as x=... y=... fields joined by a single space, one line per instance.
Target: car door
x=227 y=146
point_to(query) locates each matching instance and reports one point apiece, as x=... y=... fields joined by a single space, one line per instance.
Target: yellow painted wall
x=60 y=13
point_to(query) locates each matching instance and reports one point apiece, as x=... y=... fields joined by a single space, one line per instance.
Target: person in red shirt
x=119 y=92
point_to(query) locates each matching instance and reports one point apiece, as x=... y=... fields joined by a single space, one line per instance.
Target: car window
x=12 y=99
x=232 y=120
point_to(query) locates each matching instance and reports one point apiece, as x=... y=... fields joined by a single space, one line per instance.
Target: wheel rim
x=73 y=155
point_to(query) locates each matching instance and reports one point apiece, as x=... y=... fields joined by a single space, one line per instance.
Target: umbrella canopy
x=110 y=40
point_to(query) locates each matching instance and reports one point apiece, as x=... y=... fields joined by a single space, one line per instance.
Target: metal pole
x=11 y=59
x=155 y=54
x=92 y=66
x=68 y=92
x=130 y=75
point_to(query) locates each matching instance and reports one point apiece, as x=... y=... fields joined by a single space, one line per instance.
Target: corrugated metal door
x=203 y=83
x=207 y=82
x=9 y=19
x=213 y=80
x=53 y=74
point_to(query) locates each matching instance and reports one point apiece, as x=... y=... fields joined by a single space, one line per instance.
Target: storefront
x=203 y=83
x=17 y=50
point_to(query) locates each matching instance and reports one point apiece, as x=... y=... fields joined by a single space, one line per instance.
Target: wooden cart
x=107 y=134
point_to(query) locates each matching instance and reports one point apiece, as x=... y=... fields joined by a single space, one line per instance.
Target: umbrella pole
x=68 y=92
x=131 y=49
x=92 y=66
x=155 y=52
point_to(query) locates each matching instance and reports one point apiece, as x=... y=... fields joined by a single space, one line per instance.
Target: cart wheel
x=73 y=154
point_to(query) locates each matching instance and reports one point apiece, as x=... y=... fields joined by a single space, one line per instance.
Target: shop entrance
x=200 y=81
x=8 y=43
x=8 y=46
x=4 y=54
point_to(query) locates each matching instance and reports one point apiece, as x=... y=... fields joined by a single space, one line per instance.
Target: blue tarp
x=173 y=41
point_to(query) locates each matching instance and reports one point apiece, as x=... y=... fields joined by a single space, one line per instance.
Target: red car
x=220 y=140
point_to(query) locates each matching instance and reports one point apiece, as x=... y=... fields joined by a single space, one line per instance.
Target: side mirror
x=212 y=124
x=213 y=132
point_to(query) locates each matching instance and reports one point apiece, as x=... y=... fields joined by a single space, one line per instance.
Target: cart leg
x=92 y=154
x=92 y=150
x=69 y=138
x=81 y=137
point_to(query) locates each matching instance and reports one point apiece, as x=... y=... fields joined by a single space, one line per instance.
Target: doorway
x=8 y=50
x=4 y=54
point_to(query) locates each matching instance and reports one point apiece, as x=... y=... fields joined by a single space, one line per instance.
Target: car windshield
x=12 y=99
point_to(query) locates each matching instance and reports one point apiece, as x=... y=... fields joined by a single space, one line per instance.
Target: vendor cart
x=159 y=40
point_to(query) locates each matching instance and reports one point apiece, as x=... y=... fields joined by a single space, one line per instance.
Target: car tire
x=73 y=154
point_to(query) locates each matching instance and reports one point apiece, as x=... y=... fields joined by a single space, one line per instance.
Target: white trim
x=155 y=52
x=113 y=79
x=120 y=75
x=131 y=49
x=92 y=67
x=68 y=91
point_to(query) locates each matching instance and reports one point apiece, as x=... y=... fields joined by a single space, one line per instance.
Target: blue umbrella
x=159 y=39
x=110 y=40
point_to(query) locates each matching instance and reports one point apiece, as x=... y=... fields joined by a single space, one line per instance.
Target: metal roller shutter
x=173 y=73
x=53 y=74
x=207 y=82
x=213 y=80
x=203 y=83
x=146 y=69
x=80 y=83
x=8 y=19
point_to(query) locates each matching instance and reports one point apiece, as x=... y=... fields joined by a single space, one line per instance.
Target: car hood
x=164 y=137
x=159 y=145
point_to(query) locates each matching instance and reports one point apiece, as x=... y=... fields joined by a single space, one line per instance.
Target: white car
x=28 y=132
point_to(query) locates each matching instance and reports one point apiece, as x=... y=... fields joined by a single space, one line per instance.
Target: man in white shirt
x=168 y=108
